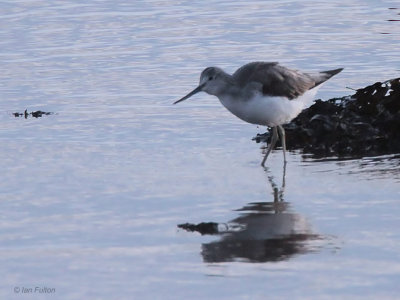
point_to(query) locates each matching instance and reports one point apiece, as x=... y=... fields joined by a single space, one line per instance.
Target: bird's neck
x=229 y=88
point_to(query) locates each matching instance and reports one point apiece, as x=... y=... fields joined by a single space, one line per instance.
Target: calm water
x=91 y=196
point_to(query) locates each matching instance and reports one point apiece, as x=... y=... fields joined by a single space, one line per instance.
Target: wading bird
x=263 y=93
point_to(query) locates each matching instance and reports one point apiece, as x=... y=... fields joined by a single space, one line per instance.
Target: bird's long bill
x=195 y=91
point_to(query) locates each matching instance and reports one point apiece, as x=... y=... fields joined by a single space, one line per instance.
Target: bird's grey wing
x=276 y=80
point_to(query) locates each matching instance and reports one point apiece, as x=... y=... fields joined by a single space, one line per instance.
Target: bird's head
x=211 y=81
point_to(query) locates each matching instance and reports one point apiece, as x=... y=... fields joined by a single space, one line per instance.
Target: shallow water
x=91 y=196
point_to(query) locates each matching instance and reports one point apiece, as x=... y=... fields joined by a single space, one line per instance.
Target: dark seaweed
x=35 y=114
x=364 y=124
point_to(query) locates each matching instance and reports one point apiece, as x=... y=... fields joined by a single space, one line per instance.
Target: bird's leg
x=283 y=182
x=274 y=138
x=281 y=131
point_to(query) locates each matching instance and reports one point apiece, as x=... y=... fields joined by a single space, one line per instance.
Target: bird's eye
x=210 y=78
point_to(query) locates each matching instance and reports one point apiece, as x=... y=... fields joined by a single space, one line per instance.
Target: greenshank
x=263 y=93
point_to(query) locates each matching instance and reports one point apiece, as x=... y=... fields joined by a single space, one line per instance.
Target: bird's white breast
x=267 y=110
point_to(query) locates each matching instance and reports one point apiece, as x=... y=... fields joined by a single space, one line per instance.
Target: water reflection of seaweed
x=264 y=232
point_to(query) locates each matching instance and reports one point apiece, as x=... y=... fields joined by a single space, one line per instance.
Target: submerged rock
x=366 y=123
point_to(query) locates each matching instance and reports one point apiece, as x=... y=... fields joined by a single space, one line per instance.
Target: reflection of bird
x=265 y=232
x=263 y=93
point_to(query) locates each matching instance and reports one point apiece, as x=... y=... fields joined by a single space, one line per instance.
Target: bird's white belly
x=267 y=110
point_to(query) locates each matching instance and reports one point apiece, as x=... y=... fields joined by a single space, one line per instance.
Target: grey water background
x=91 y=196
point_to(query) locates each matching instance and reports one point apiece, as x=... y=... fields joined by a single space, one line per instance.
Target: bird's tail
x=325 y=75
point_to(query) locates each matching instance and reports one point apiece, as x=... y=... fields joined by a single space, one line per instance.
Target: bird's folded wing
x=276 y=80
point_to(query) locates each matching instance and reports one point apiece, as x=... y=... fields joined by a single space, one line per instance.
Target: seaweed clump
x=35 y=114
x=366 y=123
